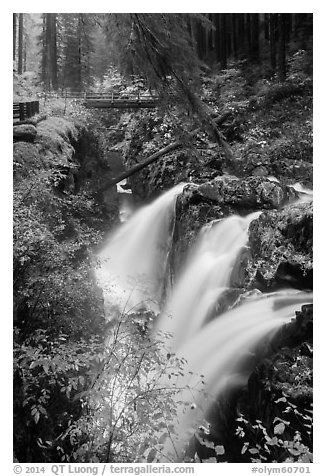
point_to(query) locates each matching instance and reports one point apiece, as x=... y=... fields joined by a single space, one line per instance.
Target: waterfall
x=305 y=194
x=132 y=261
x=214 y=348
x=219 y=351
x=205 y=277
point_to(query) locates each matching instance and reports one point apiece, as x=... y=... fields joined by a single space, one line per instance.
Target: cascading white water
x=219 y=349
x=132 y=262
x=205 y=277
x=131 y=272
x=306 y=194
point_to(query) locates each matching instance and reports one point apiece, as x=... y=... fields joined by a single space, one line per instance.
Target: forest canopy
x=75 y=50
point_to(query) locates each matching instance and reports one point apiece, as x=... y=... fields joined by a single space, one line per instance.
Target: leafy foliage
x=76 y=48
x=129 y=404
x=289 y=439
x=57 y=306
x=160 y=55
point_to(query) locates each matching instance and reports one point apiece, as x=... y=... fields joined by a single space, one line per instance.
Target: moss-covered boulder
x=52 y=147
x=249 y=193
x=56 y=136
x=27 y=158
x=219 y=198
x=24 y=132
x=281 y=246
x=287 y=160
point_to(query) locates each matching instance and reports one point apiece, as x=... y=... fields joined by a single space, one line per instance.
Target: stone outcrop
x=71 y=153
x=219 y=198
x=244 y=194
x=281 y=247
x=24 y=132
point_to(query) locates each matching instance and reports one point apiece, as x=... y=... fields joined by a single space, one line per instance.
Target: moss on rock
x=282 y=236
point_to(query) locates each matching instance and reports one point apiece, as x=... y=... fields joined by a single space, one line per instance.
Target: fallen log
x=140 y=166
x=169 y=148
x=218 y=120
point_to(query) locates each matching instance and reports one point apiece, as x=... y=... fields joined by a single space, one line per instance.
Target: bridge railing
x=26 y=109
x=97 y=95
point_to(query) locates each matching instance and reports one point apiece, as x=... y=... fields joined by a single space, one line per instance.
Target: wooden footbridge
x=24 y=110
x=91 y=100
x=105 y=100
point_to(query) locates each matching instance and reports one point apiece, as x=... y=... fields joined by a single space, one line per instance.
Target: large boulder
x=56 y=136
x=219 y=198
x=289 y=170
x=245 y=194
x=27 y=159
x=24 y=132
x=281 y=247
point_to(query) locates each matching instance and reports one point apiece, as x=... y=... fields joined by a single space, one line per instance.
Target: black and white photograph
x=162 y=240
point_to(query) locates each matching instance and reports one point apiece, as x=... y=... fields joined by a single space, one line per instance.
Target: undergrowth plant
x=130 y=408
x=288 y=439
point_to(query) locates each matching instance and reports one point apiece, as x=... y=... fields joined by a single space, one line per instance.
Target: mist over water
x=133 y=260
x=205 y=278
x=220 y=350
x=133 y=264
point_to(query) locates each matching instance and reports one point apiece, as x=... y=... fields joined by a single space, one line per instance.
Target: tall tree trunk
x=296 y=23
x=222 y=39
x=210 y=34
x=51 y=68
x=48 y=59
x=272 y=39
x=228 y=34
x=20 y=43
x=204 y=36
x=288 y=26
x=54 y=54
x=43 y=57
x=202 y=40
x=199 y=39
x=14 y=35
x=217 y=41
x=193 y=33
x=79 y=35
x=248 y=30
x=24 y=58
x=241 y=30
x=281 y=47
x=207 y=38
x=266 y=26
x=235 y=34
x=255 y=37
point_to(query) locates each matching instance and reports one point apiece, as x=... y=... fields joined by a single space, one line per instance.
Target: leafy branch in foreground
x=288 y=439
x=130 y=409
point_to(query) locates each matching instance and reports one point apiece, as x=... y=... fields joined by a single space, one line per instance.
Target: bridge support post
x=29 y=109
x=21 y=111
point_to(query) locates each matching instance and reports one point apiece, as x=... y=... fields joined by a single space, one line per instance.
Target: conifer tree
x=14 y=35
x=20 y=42
x=157 y=47
x=76 y=33
x=49 y=61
